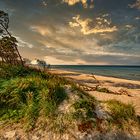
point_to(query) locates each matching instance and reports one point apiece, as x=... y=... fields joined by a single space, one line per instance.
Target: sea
x=125 y=72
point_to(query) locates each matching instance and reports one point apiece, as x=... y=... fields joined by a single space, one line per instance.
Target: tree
x=7 y=50
x=42 y=64
x=8 y=47
x=4 y=23
x=26 y=61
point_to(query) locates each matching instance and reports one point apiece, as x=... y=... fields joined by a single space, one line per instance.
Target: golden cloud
x=102 y=25
x=83 y=2
x=41 y=30
x=56 y=61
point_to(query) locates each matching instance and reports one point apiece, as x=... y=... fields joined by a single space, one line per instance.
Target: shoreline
x=123 y=72
x=130 y=89
x=68 y=72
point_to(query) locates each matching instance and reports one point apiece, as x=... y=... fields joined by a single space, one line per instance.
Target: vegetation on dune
x=122 y=115
x=84 y=109
x=120 y=110
x=8 y=71
x=28 y=93
x=25 y=92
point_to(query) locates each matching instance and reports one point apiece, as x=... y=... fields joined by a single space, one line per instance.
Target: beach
x=126 y=91
x=85 y=105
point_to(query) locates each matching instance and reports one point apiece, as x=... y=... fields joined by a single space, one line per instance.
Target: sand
x=116 y=85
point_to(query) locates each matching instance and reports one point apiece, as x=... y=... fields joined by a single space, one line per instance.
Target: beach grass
x=84 y=109
x=120 y=110
x=121 y=114
x=25 y=92
x=33 y=98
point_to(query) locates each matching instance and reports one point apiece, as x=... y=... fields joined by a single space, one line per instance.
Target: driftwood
x=86 y=87
x=99 y=88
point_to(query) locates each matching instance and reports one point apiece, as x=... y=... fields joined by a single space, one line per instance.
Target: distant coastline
x=124 y=72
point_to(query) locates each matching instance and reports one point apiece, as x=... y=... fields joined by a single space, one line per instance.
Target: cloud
x=56 y=61
x=44 y=3
x=129 y=26
x=85 y=3
x=41 y=30
x=22 y=43
x=101 y=25
x=111 y=59
x=135 y=5
x=47 y=29
x=63 y=44
x=106 y=53
x=137 y=18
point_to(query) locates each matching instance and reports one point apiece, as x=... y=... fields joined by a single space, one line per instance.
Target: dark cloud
x=42 y=27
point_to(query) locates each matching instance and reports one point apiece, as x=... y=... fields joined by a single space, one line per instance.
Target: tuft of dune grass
x=25 y=93
x=120 y=110
x=122 y=115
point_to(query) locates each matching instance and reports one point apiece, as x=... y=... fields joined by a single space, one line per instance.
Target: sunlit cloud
x=41 y=30
x=135 y=5
x=85 y=3
x=103 y=53
x=56 y=61
x=100 y=25
x=22 y=43
x=105 y=34
x=44 y=3
x=137 y=18
x=129 y=26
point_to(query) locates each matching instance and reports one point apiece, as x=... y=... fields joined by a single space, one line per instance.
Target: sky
x=83 y=32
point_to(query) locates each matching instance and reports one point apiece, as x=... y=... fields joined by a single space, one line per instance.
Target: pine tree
x=8 y=44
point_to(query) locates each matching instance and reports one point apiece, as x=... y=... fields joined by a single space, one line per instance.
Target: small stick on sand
x=99 y=83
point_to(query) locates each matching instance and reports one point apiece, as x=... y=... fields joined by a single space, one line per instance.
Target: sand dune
x=116 y=85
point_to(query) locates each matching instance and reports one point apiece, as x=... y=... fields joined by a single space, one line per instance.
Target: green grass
x=121 y=113
x=120 y=110
x=85 y=115
x=8 y=71
x=84 y=109
x=29 y=95
x=26 y=93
